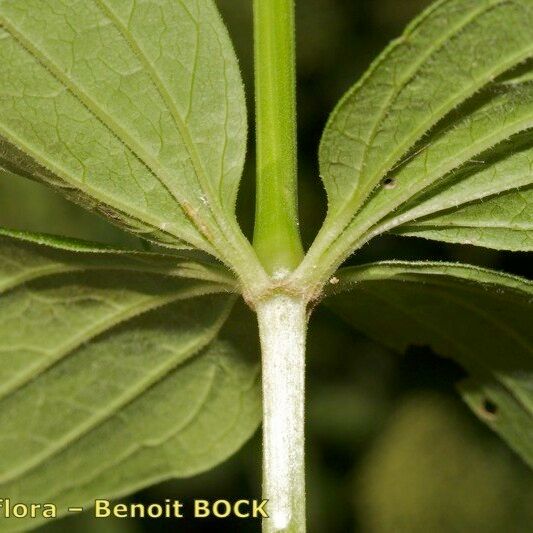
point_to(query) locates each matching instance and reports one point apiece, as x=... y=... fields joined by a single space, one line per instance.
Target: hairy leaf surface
x=426 y=108
x=133 y=108
x=28 y=255
x=113 y=373
x=480 y=318
x=459 y=178
x=488 y=202
x=503 y=222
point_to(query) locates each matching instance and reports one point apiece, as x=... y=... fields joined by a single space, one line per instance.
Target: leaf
x=480 y=318
x=27 y=205
x=135 y=109
x=427 y=106
x=503 y=222
x=112 y=377
x=433 y=469
x=22 y=260
x=459 y=179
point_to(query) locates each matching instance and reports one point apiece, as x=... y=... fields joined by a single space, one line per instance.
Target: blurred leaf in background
x=433 y=469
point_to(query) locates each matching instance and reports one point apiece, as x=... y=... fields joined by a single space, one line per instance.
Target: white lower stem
x=282 y=328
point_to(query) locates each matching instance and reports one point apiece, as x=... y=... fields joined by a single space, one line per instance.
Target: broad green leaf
x=418 y=114
x=112 y=376
x=185 y=424
x=25 y=256
x=504 y=222
x=132 y=108
x=444 y=57
x=458 y=179
x=480 y=318
x=483 y=393
x=53 y=307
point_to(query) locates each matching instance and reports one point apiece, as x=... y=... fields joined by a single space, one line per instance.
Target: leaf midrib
x=139 y=446
x=49 y=270
x=131 y=394
x=483 y=225
x=121 y=134
x=106 y=324
x=180 y=270
x=497 y=190
x=379 y=223
x=162 y=89
x=428 y=272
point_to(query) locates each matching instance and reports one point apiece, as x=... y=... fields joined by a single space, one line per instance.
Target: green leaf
x=27 y=255
x=427 y=106
x=433 y=469
x=480 y=318
x=459 y=179
x=445 y=56
x=112 y=376
x=503 y=221
x=27 y=204
x=135 y=109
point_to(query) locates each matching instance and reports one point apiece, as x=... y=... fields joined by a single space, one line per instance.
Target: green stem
x=276 y=234
x=282 y=329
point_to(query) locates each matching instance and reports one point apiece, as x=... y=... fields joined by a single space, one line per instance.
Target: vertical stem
x=276 y=234
x=282 y=329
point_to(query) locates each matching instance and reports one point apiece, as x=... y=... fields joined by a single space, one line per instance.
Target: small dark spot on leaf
x=489 y=408
x=389 y=183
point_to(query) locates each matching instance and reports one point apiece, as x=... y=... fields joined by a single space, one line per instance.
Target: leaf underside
x=132 y=108
x=480 y=318
x=114 y=373
x=435 y=140
x=119 y=369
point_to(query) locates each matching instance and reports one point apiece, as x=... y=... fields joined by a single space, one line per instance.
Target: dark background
x=390 y=446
